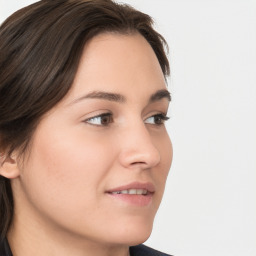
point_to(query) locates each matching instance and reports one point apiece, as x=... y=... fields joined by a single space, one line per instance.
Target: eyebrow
x=158 y=95
x=102 y=95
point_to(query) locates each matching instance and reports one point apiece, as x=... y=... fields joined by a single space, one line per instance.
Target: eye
x=100 y=120
x=158 y=119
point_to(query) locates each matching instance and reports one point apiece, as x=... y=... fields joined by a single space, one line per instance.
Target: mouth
x=132 y=191
x=136 y=194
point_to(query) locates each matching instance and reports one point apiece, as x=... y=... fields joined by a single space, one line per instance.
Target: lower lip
x=136 y=200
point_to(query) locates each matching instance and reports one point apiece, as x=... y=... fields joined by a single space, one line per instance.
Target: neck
x=31 y=239
x=33 y=233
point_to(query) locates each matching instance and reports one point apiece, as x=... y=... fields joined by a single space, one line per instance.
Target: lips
x=134 y=188
x=136 y=194
x=131 y=192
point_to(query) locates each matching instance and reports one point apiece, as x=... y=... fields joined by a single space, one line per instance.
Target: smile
x=136 y=194
x=131 y=192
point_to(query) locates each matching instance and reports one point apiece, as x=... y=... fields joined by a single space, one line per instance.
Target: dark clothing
x=139 y=250
x=142 y=250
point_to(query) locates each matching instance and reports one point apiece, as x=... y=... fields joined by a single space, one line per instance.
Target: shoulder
x=142 y=250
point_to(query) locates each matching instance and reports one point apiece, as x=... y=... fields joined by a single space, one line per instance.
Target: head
x=82 y=104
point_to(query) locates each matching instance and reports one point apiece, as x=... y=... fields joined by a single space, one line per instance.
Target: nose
x=138 y=149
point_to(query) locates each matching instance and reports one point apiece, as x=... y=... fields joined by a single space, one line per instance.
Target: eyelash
x=158 y=119
x=104 y=115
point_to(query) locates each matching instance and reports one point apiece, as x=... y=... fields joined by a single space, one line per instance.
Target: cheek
x=65 y=174
x=164 y=146
x=167 y=153
x=165 y=149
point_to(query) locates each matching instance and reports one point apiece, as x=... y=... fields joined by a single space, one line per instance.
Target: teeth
x=141 y=192
x=131 y=192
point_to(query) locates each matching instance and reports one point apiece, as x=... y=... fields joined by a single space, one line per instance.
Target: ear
x=9 y=166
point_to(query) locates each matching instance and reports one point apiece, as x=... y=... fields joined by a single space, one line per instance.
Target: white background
x=209 y=208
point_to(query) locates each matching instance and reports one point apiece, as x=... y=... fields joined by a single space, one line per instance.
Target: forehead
x=118 y=63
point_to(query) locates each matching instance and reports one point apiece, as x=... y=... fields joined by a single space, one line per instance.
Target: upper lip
x=135 y=185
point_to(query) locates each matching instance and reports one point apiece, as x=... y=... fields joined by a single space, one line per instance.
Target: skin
x=61 y=204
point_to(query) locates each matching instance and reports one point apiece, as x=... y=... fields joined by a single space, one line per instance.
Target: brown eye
x=100 y=120
x=157 y=119
x=106 y=119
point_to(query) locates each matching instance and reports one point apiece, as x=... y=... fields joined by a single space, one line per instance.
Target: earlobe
x=9 y=166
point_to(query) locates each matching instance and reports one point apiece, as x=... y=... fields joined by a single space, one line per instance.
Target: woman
x=84 y=150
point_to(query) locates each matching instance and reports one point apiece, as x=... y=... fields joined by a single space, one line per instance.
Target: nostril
x=142 y=157
x=138 y=163
x=142 y=165
x=139 y=151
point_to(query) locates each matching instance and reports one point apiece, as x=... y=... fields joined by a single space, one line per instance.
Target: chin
x=139 y=239
x=135 y=233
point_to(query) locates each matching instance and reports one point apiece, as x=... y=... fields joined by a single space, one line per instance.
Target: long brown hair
x=40 y=49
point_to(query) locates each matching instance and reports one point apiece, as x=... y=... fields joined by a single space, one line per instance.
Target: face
x=99 y=159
